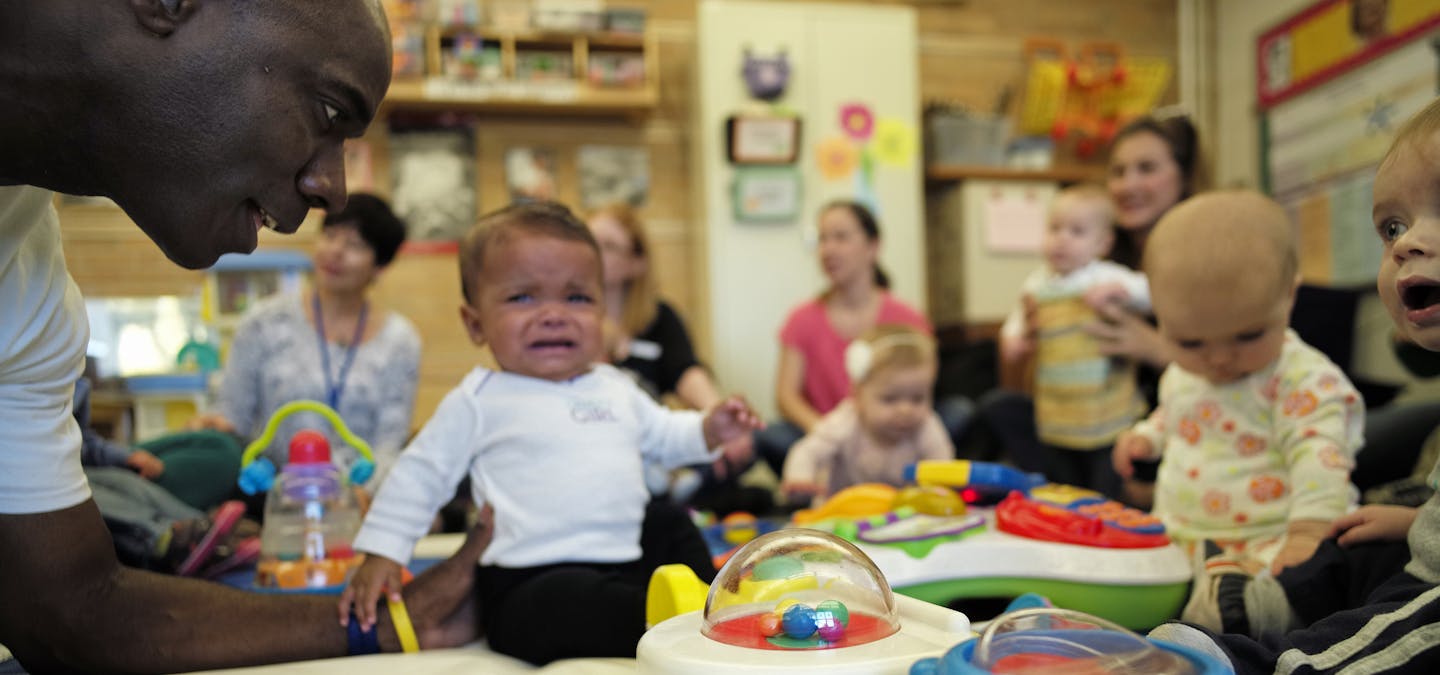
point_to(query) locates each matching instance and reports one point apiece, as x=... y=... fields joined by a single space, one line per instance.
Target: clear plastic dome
x=1049 y=640
x=799 y=589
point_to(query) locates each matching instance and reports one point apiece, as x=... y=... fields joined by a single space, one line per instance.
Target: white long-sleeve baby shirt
x=560 y=463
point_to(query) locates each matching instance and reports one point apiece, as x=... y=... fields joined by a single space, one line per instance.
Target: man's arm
x=70 y=606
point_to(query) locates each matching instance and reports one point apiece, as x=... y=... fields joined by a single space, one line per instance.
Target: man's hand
x=441 y=600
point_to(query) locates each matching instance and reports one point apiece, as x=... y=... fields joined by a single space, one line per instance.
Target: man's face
x=247 y=129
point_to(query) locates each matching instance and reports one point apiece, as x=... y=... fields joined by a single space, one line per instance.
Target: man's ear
x=162 y=17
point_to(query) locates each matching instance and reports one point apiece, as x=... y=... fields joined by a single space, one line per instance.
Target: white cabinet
x=838 y=54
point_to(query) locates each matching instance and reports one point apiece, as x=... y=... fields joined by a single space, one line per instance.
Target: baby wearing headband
x=886 y=423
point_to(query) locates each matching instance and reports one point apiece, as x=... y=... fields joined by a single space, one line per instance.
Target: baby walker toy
x=310 y=513
x=1072 y=545
x=794 y=600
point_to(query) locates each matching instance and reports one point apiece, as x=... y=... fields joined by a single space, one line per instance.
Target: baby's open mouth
x=1420 y=294
x=552 y=344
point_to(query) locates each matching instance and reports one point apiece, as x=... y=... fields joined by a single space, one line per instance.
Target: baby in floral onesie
x=1256 y=430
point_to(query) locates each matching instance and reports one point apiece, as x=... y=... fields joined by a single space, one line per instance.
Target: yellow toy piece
x=739 y=528
x=674 y=590
x=931 y=500
x=856 y=501
x=1060 y=494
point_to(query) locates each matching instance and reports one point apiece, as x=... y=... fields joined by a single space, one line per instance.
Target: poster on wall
x=613 y=174
x=530 y=174
x=434 y=181
x=766 y=195
x=864 y=142
x=1321 y=151
x=1332 y=37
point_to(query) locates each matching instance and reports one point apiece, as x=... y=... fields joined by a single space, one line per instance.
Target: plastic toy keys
x=258 y=475
x=1092 y=503
x=1026 y=517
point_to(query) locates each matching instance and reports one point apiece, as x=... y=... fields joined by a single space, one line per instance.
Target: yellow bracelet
x=403 y=628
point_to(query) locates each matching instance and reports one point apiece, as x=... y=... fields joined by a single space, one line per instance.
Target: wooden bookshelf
x=1073 y=173
x=575 y=95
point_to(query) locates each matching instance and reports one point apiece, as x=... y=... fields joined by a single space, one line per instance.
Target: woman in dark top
x=650 y=340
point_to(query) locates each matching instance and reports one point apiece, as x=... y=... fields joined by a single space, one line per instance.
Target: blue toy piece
x=258 y=476
x=986 y=477
x=1044 y=639
x=1028 y=601
x=799 y=622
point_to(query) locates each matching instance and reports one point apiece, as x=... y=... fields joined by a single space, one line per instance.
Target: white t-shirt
x=43 y=335
x=560 y=462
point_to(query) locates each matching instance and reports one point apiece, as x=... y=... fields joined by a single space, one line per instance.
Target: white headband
x=860 y=355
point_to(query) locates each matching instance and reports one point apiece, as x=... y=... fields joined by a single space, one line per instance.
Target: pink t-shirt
x=808 y=331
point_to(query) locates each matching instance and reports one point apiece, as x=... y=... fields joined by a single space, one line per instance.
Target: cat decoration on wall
x=766 y=76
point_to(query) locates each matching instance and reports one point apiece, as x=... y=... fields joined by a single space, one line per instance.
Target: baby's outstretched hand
x=800 y=490
x=728 y=420
x=1128 y=448
x=377 y=573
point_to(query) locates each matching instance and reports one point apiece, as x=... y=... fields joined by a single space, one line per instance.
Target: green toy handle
x=267 y=436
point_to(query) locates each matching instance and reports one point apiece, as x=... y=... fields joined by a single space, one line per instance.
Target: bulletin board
x=1334 y=83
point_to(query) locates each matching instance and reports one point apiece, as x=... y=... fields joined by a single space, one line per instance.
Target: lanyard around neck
x=335 y=386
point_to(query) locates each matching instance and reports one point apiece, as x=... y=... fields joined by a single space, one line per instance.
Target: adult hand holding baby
x=1124 y=333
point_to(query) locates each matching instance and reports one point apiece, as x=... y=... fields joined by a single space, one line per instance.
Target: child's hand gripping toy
x=1047 y=640
x=310 y=513
x=793 y=600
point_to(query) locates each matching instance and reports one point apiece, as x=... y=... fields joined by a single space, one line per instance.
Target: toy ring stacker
x=258 y=475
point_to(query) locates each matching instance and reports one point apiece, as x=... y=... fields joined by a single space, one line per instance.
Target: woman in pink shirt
x=811 y=378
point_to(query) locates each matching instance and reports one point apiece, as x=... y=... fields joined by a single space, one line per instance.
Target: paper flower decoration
x=857 y=121
x=837 y=157
x=894 y=142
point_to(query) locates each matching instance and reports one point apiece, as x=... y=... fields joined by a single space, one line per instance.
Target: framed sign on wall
x=762 y=140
